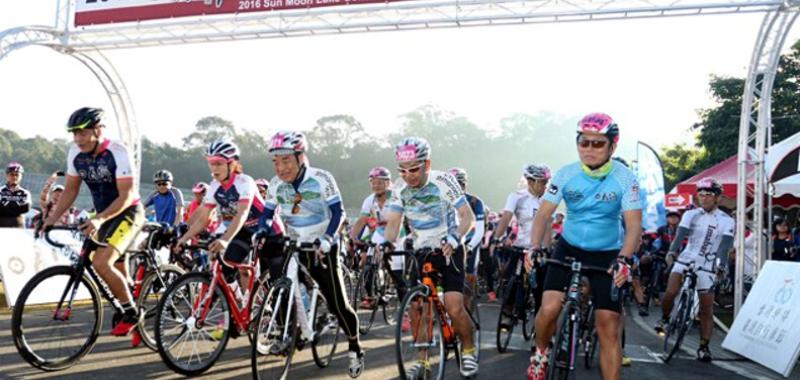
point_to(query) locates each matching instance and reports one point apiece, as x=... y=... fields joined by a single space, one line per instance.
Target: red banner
x=95 y=12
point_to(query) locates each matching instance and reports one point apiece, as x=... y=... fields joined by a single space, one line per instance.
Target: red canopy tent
x=725 y=172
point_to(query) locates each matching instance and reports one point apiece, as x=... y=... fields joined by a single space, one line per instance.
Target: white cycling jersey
x=705 y=235
x=524 y=206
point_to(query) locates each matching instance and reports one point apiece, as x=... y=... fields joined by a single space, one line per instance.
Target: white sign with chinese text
x=766 y=329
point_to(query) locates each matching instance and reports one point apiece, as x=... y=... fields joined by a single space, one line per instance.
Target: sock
x=129 y=309
x=703 y=342
x=468 y=351
x=354 y=345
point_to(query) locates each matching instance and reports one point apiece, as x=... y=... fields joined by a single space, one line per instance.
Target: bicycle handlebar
x=68 y=227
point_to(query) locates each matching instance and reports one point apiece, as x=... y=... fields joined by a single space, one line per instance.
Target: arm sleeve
x=724 y=247
x=682 y=233
x=337 y=213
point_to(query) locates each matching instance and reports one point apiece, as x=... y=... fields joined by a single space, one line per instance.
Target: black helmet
x=86 y=117
x=162 y=176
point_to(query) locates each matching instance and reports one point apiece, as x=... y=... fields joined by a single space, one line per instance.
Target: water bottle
x=304 y=296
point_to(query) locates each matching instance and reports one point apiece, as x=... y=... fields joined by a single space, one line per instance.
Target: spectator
x=783 y=247
x=49 y=197
x=14 y=200
x=166 y=200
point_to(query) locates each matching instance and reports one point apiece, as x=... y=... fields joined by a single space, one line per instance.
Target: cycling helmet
x=262 y=182
x=536 y=171
x=86 y=117
x=460 y=174
x=412 y=149
x=709 y=184
x=162 y=176
x=380 y=172
x=57 y=188
x=599 y=123
x=200 y=187
x=14 y=167
x=287 y=142
x=223 y=148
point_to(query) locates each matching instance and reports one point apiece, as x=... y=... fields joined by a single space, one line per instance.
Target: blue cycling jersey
x=594 y=205
x=165 y=205
x=477 y=208
x=101 y=170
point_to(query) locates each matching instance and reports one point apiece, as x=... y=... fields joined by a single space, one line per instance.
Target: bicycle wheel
x=475 y=317
x=276 y=335
x=390 y=300
x=366 y=316
x=50 y=337
x=529 y=315
x=503 y=333
x=678 y=325
x=560 y=354
x=326 y=329
x=256 y=303
x=424 y=340
x=188 y=344
x=590 y=347
x=153 y=287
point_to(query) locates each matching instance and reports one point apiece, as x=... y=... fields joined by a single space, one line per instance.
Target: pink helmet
x=262 y=182
x=412 y=149
x=287 y=142
x=709 y=184
x=599 y=123
x=200 y=187
x=380 y=172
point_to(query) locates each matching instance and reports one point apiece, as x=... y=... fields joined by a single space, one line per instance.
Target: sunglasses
x=161 y=183
x=706 y=194
x=296 y=206
x=596 y=144
x=411 y=170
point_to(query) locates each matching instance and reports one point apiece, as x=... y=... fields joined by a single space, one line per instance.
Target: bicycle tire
x=279 y=303
x=323 y=319
x=678 y=327
x=391 y=303
x=152 y=283
x=558 y=367
x=414 y=295
x=529 y=315
x=365 y=321
x=168 y=309
x=502 y=340
x=19 y=329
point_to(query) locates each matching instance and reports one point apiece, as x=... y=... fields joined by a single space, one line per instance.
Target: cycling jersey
x=476 y=204
x=524 y=206
x=377 y=216
x=705 y=234
x=319 y=210
x=14 y=203
x=101 y=171
x=594 y=205
x=239 y=188
x=165 y=204
x=430 y=209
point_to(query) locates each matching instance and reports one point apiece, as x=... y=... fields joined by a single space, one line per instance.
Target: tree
x=680 y=162
x=207 y=130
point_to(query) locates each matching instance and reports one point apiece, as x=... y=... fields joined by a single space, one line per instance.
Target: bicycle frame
x=240 y=315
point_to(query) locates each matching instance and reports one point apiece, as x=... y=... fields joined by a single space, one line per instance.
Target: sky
x=650 y=75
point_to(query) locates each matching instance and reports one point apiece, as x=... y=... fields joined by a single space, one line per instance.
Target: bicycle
x=72 y=317
x=684 y=311
x=276 y=328
x=432 y=330
x=654 y=283
x=517 y=294
x=563 y=355
x=199 y=312
x=375 y=284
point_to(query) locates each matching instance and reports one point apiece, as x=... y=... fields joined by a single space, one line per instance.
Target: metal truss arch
x=18 y=38
x=755 y=130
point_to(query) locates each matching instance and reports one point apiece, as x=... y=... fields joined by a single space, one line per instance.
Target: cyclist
x=431 y=200
x=105 y=167
x=523 y=205
x=15 y=201
x=710 y=236
x=235 y=196
x=311 y=210
x=374 y=211
x=596 y=190
x=166 y=200
x=475 y=235
x=263 y=187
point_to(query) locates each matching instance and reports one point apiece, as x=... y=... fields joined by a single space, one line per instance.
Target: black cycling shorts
x=453 y=274
x=558 y=277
